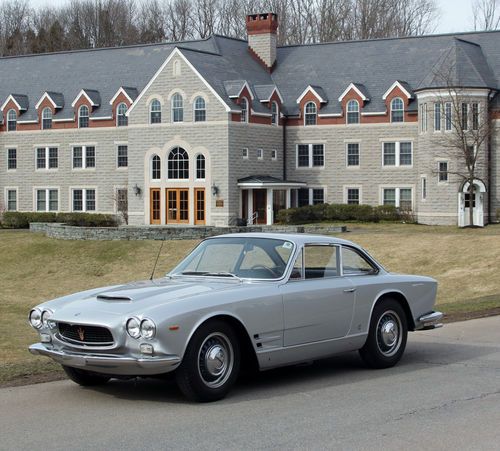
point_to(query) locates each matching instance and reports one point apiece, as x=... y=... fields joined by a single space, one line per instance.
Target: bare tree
x=486 y=14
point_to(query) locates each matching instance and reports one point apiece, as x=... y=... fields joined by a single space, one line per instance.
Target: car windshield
x=240 y=257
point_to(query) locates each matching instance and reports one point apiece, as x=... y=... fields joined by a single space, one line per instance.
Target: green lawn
x=35 y=268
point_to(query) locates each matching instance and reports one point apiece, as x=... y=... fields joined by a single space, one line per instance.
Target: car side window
x=320 y=261
x=297 y=268
x=354 y=264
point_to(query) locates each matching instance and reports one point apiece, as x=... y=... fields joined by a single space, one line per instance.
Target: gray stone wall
x=264 y=45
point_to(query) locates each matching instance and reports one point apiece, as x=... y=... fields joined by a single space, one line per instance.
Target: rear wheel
x=387 y=335
x=85 y=378
x=211 y=363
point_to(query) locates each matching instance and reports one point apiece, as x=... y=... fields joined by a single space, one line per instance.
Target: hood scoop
x=113 y=297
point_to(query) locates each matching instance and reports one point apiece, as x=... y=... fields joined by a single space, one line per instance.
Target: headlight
x=134 y=328
x=148 y=329
x=46 y=314
x=35 y=318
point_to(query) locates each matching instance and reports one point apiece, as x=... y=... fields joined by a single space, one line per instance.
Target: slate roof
x=225 y=63
x=57 y=98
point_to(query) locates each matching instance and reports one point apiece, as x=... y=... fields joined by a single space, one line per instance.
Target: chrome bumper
x=109 y=364
x=429 y=321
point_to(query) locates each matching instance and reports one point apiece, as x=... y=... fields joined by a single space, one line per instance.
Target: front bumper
x=118 y=365
x=428 y=321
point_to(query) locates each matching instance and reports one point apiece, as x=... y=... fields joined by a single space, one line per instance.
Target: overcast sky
x=455 y=14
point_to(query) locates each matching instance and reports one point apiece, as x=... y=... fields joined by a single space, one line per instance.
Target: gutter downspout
x=489 y=161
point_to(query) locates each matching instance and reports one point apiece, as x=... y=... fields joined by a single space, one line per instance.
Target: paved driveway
x=445 y=394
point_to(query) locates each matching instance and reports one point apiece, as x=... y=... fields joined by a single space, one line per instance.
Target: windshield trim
x=242 y=279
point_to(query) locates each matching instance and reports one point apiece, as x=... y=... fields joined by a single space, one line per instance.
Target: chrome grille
x=85 y=335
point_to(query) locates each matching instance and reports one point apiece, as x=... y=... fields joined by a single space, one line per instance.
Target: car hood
x=100 y=306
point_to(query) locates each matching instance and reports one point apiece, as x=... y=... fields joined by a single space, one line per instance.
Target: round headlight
x=148 y=329
x=35 y=318
x=134 y=328
x=46 y=314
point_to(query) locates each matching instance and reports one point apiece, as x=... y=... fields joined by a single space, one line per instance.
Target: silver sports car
x=257 y=298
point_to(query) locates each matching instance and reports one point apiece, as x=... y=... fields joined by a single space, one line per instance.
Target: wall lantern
x=137 y=190
x=215 y=190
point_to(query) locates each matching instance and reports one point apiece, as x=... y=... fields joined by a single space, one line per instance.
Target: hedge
x=21 y=220
x=342 y=212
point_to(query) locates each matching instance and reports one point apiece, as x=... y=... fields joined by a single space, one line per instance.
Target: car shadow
x=331 y=372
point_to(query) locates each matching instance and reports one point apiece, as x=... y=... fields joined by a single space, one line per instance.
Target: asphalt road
x=444 y=394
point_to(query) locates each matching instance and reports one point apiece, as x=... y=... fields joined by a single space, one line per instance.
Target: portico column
x=269 y=207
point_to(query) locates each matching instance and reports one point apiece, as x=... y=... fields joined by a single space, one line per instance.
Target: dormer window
x=155 y=112
x=244 y=109
x=274 y=113
x=46 y=119
x=397 y=110
x=12 y=121
x=177 y=108
x=121 y=115
x=353 y=112
x=310 y=113
x=83 y=116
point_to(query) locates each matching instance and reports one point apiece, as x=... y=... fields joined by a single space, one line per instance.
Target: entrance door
x=177 y=205
x=476 y=202
x=155 y=206
x=244 y=205
x=279 y=202
x=260 y=205
x=199 y=207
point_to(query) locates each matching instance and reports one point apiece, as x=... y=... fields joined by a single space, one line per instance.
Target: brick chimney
x=261 y=30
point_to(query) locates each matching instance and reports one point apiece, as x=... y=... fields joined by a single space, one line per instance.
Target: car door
x=318 y=302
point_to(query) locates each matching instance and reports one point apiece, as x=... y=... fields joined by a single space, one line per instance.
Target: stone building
x=215 y=130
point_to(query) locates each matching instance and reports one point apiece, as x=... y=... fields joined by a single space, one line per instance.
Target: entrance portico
x=263 y=196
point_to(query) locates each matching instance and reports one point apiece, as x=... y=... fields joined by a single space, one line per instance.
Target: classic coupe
x=262 y=299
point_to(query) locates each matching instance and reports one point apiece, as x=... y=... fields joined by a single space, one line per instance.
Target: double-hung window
x=310 y=155
x=447 y=116
x=11 y=159
x=122 y=156
x=443 y=171
x=352 y=196
x=398 y=197
x=84 y=157
x=47 y=158
x=47 y=199
x=437 y=117
x=12 y=200
x=84 y=199
x=423 y=117
x=465 y=116
x=475 y=116
x=352 y=154
x=397 y=154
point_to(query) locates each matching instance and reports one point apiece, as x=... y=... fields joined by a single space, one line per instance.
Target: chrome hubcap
x=215 y=360
x=389 y=333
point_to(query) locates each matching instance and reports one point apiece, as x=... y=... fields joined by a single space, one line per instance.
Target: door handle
x=349 y=290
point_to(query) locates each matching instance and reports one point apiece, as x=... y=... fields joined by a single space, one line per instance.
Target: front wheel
x=211 y=363
x=85 y=378
x=387 y=335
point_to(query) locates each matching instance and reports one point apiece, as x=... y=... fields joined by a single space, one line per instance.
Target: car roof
x=297 y=238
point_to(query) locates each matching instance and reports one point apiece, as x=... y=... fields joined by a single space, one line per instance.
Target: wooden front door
x=155 y=206
x=260 y=205
x=177 y=205
x=199 y=206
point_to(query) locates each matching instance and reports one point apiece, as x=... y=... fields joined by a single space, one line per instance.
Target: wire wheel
x=215 y=360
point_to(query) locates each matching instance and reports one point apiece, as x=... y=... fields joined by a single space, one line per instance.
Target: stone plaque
x=219 y=202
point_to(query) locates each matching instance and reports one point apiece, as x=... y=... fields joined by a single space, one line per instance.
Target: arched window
x=244 y=109
x=200 y=167
x=155 y=112
x=46 y=118
x=178 y=164
x=310 y=113
x=83 y=116
x=11 y=121
x=274 y=113
x=121 y=115
x=397 y=110
x=156 y=167
x=177 y=108
x=200 y=112
x=353 y=112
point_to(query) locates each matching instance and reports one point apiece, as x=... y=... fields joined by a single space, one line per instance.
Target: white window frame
x=275 y=114
x=118 y=145
x=423 y=118
x=310 y=148
x=7 y=148
x=84 y=198
x=151 y=111
x=195 y=109
x=173 y=108
x=80 y=115
x=438 y=116
x=310 y=114
x=46 y=118
x=352 y=166
x=398 y=189
x=398 y=154
x=311 y=194
x=47 y=198
x=244 y=111
x=9 y=120
x=260 y=154
x=84 y=157
x=118 y=115
x=423 y=187
x=357 y=112
x=244 y=153
x=446 y=121
x=274 y=154
x=196 y=167
x=46 y=158
x=472 y=116
x=439 y=172
x=6 y=197
x=393 y=110
x=151 y=170
x=346 y=192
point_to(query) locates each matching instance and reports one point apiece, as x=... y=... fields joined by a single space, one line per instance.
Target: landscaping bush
x=342 y=212
x=21 y=220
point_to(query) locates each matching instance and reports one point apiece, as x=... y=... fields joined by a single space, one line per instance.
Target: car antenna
x=156 y=262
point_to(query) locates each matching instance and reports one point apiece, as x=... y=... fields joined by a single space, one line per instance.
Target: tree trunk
x=471 y=202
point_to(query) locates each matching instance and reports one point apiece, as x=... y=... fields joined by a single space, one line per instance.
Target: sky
x=455 y=15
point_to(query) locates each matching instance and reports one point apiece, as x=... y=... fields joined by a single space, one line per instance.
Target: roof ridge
x=206 y=52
